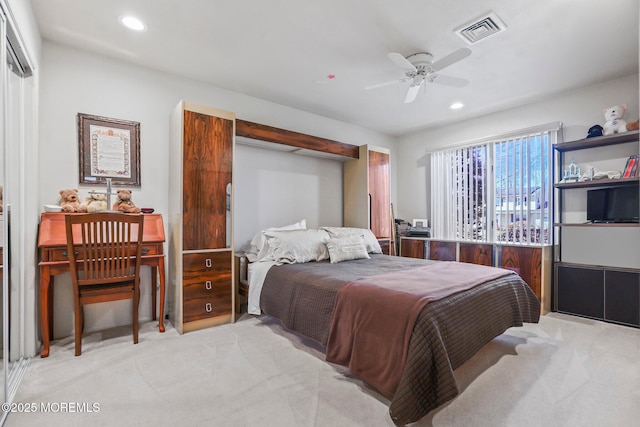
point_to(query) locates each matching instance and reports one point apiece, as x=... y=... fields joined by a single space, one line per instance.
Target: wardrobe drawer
x=209 y=264
x=201 y=308
x=208 y=287
x=206 y=281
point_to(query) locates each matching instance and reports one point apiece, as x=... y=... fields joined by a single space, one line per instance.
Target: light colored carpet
x=564 y=371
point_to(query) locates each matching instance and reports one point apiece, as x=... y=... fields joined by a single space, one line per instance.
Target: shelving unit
x=600 y=141
x=600 y=183
x=599 y=278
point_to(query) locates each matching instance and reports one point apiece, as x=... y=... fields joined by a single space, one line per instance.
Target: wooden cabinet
x=622 y=296
x=598 y=292
x=385 y=245
x=412 y=247
x=206 y=291
x=367 y=202
x=476 y=253
x=200 y=218
x=380 y=215
x=597 y=268
x=442 y=251
x=582 y=291
x=532 y=263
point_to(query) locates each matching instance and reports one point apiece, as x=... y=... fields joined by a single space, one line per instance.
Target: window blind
x=495 y=191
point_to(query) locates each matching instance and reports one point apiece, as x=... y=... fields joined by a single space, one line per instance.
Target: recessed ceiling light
x=132 y=23
x=456 y=105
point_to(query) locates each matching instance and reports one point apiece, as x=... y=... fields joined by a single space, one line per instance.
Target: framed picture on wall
x=109 y=148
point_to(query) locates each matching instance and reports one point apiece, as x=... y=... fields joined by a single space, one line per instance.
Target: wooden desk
x=52 y=243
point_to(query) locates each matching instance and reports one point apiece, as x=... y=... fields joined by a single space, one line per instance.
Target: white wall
x=271 y=188
x=578 y=110
x=309 y=188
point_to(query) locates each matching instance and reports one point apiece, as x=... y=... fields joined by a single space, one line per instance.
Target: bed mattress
x=447 y=332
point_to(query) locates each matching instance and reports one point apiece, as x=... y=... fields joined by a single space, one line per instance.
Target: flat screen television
x=613 y=204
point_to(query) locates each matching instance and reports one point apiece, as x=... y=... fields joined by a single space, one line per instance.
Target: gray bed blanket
x=446 y=333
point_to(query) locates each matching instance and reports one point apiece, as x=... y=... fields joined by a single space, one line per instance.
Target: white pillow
x=298 y=246
x=347 y=248
x=370 y=240
x=259 y=250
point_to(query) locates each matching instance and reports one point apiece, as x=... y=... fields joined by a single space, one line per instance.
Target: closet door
x=18 y=331
x=207 y=164
x=379 y=193
x=4 y=227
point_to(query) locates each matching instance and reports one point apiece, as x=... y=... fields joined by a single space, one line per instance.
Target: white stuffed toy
x=614 y=123
x=96 y=202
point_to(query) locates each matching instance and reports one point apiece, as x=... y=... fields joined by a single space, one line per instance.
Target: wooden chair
x=104 y=249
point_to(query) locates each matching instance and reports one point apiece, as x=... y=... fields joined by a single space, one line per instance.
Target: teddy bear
x=124 y=202
x=69 y=201
x=614 y=123
x=96 y=202
x=633 y=125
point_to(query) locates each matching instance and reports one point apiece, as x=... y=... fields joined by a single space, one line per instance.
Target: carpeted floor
x=564 y=371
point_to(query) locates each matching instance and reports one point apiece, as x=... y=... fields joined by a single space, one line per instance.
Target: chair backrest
x=105 y=246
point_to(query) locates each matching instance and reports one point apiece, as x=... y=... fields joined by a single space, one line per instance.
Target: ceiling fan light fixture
x=132 y=23
x=420 y=70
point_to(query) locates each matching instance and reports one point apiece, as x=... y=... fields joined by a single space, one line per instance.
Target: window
x=496 y=190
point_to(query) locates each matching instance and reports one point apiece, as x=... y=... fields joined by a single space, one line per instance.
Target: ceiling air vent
x=481 y=28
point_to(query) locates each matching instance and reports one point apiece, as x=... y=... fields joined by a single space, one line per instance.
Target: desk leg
x=161 y=309
x=154 y=280
x=46 y=308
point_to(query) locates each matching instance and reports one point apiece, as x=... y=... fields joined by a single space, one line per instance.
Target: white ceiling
x=283 y=50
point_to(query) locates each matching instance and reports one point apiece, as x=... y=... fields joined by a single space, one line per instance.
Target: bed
x=444 y=334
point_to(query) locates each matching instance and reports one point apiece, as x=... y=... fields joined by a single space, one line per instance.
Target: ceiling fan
x=420 y=68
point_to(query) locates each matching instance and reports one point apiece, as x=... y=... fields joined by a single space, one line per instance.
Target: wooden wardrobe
x=200 y=217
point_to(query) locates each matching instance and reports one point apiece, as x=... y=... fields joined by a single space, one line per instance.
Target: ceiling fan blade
x=401 y=61
x=412 y=93
x=451 y=59
x=449 y=80
x=376 y=86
